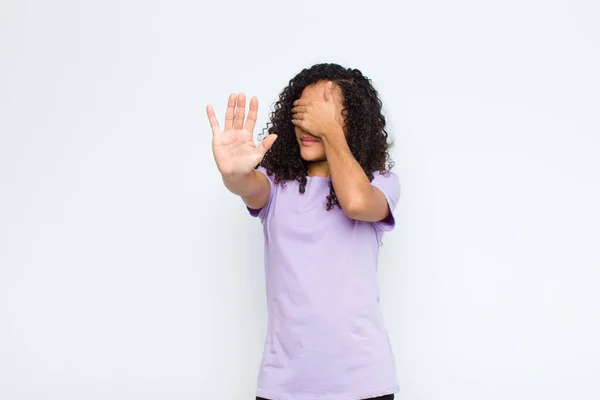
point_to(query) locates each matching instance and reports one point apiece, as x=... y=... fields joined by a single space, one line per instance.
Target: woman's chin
x=312 y=157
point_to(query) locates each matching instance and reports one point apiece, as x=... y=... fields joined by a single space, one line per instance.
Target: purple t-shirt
x=326 y=338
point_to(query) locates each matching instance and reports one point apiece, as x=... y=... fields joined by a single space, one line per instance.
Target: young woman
x=321 y=186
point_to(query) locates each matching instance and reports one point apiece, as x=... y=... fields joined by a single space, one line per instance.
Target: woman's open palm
x=233 y=148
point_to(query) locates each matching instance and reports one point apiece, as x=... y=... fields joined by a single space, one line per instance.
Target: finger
x=298 y=116
x=214 y=124
x=252 y=114
x=297 y=123
x=329 y=91
x=230 y=111
x=240 y=112
x=301 y=102
x=267 y=143
x=298 y=109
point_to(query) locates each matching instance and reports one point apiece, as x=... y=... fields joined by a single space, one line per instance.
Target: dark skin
x=319 y=112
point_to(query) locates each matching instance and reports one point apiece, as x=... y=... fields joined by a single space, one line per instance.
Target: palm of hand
x=234 y=150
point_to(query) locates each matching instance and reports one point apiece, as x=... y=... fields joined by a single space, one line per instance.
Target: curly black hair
x=364 y=127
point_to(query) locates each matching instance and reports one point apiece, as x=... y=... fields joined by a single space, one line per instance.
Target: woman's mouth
x=308 y=141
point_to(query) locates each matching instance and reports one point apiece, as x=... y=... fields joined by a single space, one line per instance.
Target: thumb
x=329 y=91
x=267 y=143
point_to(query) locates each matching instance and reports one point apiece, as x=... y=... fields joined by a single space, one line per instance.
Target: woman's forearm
x=253 y=188
x=352 y=187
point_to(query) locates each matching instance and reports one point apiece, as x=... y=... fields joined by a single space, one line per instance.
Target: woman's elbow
x=355 y=209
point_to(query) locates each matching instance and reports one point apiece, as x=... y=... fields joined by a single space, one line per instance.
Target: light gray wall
x=127 y=271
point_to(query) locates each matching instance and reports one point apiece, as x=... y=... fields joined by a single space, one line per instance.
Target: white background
x=128 y=271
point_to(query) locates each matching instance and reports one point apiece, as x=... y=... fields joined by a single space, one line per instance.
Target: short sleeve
x=389 y=184
x=262 y=212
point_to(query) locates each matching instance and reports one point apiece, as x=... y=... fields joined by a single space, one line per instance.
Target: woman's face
x=311 y=147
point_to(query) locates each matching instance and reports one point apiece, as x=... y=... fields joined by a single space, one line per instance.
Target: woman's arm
x=254 y=188
x=359 y=199
x=236 y=154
